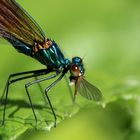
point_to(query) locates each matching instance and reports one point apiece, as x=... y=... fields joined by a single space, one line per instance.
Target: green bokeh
x=106 y=33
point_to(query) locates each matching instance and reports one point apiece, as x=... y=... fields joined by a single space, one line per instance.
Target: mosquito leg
x=69 y=88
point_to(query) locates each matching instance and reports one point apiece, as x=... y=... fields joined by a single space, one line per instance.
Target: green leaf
x=106 y=35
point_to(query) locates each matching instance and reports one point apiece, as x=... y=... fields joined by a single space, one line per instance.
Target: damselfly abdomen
x=25 y=35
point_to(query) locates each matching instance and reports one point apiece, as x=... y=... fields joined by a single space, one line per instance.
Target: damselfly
x=25 y=35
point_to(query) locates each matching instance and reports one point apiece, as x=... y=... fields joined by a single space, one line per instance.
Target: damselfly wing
x=25 y=35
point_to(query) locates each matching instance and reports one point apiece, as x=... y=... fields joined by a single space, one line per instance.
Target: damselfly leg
x=46 y=93
x=21 y=78
x=36 y=82
x=9 y=82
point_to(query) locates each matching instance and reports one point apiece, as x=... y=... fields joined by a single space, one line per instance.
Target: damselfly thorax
x=26 y=36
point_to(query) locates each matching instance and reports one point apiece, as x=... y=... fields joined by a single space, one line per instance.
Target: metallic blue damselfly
x=25 y=35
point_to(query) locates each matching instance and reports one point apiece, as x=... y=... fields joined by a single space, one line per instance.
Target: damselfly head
x=82 y=86
x=76 y=67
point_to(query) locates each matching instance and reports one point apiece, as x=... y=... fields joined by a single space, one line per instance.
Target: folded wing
x=17 y=24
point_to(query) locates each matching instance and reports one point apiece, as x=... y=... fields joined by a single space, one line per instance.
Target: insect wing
x=88 y=90
x=16 y=22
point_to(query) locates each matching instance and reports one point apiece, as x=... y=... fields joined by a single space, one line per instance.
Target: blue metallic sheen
x=52 y=57
x=20 y=46
x=78 y=61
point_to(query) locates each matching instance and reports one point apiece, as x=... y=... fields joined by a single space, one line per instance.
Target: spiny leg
x=18 y=74
x=31 y=105
x=35 y=73
x=5 y=102
x=42 y=91
x=46 y=91
x=34 y=82
x=39 y=85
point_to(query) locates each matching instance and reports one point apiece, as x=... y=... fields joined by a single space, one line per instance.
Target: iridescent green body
x=52 y=57
x=25 y=35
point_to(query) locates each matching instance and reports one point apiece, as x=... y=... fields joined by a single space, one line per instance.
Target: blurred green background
x=106 y=33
